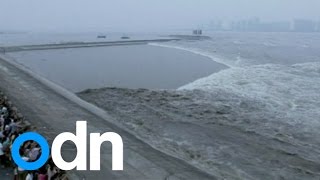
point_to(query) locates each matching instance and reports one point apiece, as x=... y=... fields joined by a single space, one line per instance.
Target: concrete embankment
x=55 y=111
x=80 y=45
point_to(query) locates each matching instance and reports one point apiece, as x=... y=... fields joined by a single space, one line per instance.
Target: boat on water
x=101 y=36
x=125 y=37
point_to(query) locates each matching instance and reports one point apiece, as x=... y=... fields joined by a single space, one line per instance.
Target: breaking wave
x=195 y=51
x=289 y=92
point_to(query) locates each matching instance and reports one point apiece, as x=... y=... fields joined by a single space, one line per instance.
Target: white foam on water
x=195 y=51
x=288 y=95
x=292 y=89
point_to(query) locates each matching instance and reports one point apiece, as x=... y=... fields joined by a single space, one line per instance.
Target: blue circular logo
x=44 y=151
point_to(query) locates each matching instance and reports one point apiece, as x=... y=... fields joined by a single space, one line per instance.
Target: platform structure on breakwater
x=80 y=45
x=191 y=37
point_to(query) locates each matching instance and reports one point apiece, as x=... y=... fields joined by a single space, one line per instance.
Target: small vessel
x=101 y=36
x=125 y=37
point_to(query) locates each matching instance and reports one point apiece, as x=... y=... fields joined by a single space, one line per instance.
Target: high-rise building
x=216 y=25
x=318 y=26
x=253 y=24
x=281 y=26
x=303 y=25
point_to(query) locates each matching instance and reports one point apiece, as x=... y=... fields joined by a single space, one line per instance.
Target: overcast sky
x=135 y=15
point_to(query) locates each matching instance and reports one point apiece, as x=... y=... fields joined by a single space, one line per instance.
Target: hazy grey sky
x=133 y=15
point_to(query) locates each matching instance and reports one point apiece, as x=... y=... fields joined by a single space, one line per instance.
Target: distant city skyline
x=144 y=15
x=256 y=24
x=253 y=24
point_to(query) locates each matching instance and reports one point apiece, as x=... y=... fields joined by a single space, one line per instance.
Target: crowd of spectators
x=12 y=124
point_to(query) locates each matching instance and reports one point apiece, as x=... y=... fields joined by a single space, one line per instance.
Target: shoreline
x=203 y=114
x=18 y=126
x=53 y=119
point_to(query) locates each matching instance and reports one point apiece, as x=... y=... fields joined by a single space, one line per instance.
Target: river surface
x=252 y=112
x=139 y=66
